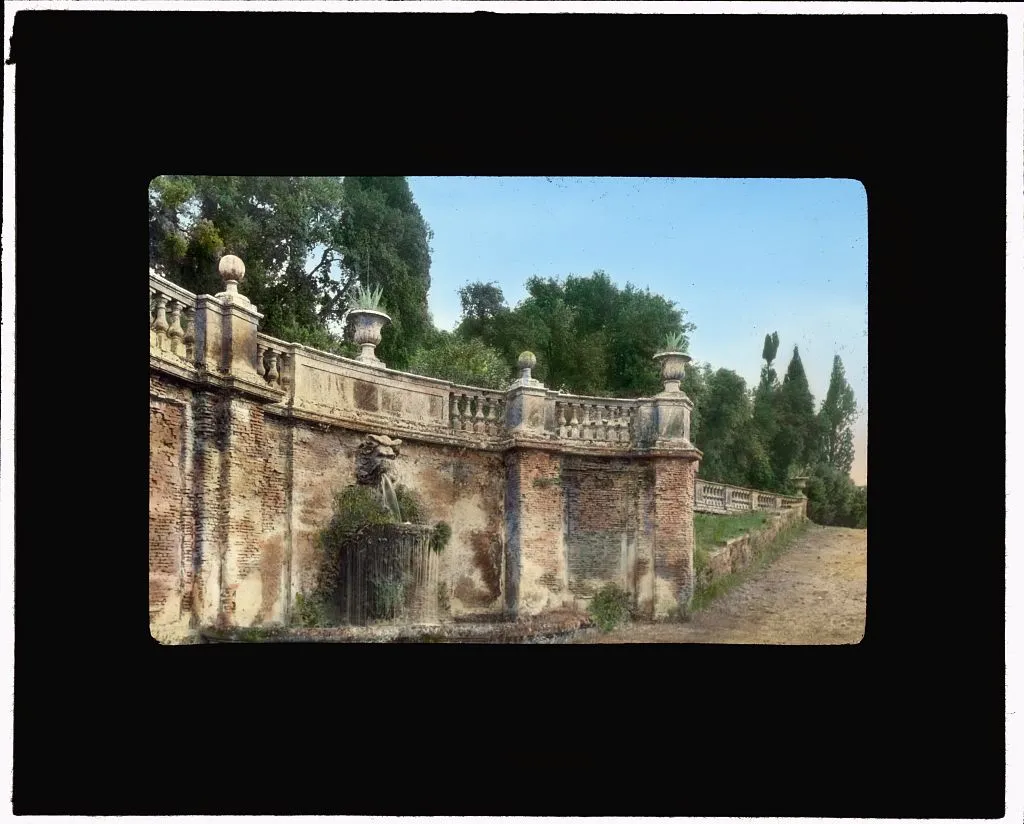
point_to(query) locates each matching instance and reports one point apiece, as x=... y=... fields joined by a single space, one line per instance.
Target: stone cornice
x=200 y=378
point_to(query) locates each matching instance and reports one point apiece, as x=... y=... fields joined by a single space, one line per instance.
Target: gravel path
x=814 y=593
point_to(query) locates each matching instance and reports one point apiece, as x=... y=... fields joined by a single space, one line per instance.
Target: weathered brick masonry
x=548 y=495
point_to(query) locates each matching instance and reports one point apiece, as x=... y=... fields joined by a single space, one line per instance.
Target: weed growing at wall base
x=609 y=607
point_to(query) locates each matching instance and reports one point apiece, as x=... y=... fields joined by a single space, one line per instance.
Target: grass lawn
x=711 y=531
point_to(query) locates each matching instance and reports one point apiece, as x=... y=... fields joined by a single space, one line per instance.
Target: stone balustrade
x=275 y=361
x=215 y=339
x=171 y=320
x=595 y=419
x=712 y=497
x=476 y=410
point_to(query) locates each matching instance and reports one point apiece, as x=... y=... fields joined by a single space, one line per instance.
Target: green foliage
x=354 y=507
x=784 y=538
x=482 y=304
x=771 y=348
x=590 y=336
x=796 y=437
x=674 y=342
x=410 y=503
x=387 y=242
x=387 y=597
x=304 y=241
x=609 y=607
x=365 y=297
x=440 y=536
x=711 y=531
x=835 y=420
x=834 y=500
x=470 y=362
x=310 y=611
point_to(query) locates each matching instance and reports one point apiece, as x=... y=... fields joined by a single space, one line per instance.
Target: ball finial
x=231 y=268
x=527 y=360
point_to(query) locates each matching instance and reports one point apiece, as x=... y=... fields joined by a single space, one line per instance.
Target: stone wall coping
x=465 y=389
x=165 y=362
x=372 y=371
x=748 y=489
x=280 y=345
x=162 y=284
x=200 y=377
x=384 y=425
x=595 y=399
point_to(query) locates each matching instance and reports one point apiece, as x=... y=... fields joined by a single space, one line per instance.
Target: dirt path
x=814 y=593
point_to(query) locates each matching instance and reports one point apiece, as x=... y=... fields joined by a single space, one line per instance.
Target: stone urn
x=673 y=367
x=367 y=325
x=800 y=482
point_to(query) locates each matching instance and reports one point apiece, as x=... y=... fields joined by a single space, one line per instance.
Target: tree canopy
x=836 y=418
x=590 y=336
x=304 y=241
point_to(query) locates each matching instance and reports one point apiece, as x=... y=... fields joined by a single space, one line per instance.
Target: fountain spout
x=390 y=498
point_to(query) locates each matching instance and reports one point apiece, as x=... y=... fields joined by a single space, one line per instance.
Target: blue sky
x=742 y=257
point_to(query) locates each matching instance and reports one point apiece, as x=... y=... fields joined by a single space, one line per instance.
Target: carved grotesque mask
x=376 y=458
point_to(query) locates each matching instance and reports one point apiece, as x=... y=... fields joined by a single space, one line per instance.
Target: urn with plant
x=366 y=311
x=673 y=360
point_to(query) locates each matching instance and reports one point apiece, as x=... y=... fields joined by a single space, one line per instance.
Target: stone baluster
x=463 y=413
x=491 y=421
x=272 y=373
x=574 y=422
x=587 y=428
x=560 y=419
x=600 y=422
x=152 y=334
x=261 y=356
x=630 y=414
x=286 y=371
x=189 y=338
x=478 y=415
x=727 y=498
x=453 y=411
x=753 y=500
x=160 y=325
x=174 y=331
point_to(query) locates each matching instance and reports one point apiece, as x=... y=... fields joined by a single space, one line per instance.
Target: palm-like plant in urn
x=368 y=319
x=673 y=360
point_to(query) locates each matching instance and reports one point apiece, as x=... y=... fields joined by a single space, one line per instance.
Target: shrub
x=468 y=362
x=609 y=607
x=410 y=503
x=309 y=611
x=834 y=500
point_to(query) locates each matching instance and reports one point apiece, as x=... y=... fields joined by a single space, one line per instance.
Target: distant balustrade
x=709 y=496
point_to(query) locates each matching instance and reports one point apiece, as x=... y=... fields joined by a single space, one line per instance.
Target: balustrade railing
x=475 y=410
x=709 y=496
x=171 y=319
x=595 y=419
x=275 y=362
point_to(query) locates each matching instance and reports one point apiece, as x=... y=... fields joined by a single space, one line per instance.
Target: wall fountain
x=389 y=572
